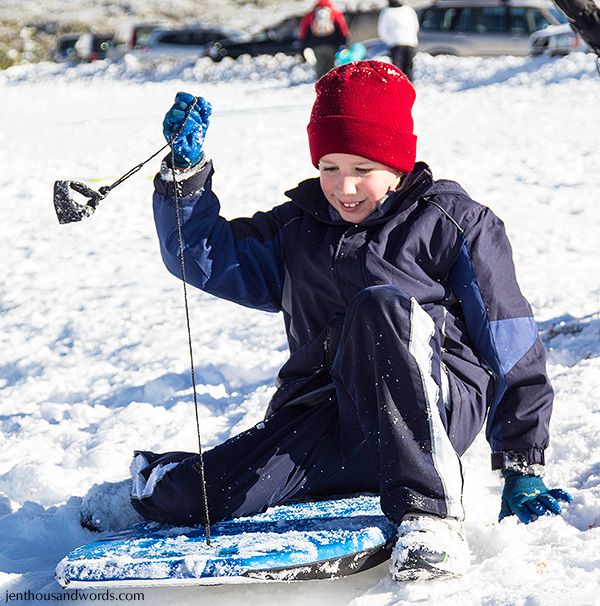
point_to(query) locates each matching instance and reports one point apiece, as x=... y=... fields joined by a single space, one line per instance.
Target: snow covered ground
x=93 y=350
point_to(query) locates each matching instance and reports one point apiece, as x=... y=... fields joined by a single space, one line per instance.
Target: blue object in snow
x=302 y=541
x=347 y=54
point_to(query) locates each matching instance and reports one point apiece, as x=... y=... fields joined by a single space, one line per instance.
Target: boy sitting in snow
x=405 y=323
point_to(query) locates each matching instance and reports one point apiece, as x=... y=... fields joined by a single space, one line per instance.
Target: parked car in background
x=92 y=46
x=484 y=27
x=282 y=37
x=182 y=44
x=64 y=49
x=362 y=24
x=132 y=36
x=375 y=48
x=556 y=40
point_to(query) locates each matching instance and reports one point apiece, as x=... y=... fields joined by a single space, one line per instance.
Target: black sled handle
x=69 y=210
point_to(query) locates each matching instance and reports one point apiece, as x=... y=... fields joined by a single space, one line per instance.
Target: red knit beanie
x=363 y=108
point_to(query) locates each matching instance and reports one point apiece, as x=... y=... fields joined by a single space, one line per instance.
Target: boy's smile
x=354 y=185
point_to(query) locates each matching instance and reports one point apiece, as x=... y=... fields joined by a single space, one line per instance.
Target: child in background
x=323 y=30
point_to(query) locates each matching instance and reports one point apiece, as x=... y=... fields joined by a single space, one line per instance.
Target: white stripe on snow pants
x=385 y=432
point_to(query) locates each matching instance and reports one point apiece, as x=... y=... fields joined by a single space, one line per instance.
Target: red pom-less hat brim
x=361 y=137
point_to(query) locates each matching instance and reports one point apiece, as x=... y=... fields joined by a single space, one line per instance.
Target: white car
x=556 y=40
x=132 y=36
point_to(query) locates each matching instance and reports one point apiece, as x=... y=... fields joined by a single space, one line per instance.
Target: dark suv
x=483 y=27
x=280 y=38
x=283 y=37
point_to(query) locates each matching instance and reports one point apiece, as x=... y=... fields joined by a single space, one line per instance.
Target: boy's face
x=354 y=185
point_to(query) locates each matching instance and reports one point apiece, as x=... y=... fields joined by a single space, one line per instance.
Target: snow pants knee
x=384 y=432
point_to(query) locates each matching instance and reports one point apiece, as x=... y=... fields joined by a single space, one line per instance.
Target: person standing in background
x=398 y=27
x=324 y=30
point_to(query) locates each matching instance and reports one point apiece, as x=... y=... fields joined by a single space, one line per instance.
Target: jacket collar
x=309 y=196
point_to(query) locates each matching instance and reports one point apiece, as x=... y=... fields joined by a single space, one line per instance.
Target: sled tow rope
x=69 y=210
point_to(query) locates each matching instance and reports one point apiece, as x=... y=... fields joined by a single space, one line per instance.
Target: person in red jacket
x=324 y=30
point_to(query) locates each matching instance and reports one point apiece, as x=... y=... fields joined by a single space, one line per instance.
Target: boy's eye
x=360 y=171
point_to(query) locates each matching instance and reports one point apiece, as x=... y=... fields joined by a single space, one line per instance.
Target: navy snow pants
x=385 y=432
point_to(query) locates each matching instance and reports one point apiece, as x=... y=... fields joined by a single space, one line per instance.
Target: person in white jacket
x=398 y=27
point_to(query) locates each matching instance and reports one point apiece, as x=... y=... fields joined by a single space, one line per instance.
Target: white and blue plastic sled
x=302 y=541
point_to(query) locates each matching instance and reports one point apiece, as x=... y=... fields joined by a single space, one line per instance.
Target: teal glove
x=527 y=497
x=187 y=131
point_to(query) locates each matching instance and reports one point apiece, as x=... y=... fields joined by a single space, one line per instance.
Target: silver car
x=556 y=40
x=484 y=27
x=185 y=44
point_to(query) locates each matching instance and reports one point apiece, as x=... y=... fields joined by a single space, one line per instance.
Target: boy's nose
x=347 y=185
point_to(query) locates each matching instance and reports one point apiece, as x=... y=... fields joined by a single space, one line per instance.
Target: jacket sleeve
x=500 y=323
x=304 y=26
x=342 y=24
x=238 y=260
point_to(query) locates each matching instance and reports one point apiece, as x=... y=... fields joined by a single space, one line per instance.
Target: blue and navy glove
x=188 y=128
x=527 y=497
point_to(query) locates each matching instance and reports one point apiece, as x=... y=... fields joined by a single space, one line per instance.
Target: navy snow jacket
x=429 y=239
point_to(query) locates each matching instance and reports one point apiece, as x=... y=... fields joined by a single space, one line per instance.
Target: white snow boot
x=429 y=547
x=107 y=506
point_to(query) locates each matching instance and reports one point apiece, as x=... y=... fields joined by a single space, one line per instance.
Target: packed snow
x=93 y=345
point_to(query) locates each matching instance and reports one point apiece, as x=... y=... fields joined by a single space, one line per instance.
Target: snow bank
x=445 y=72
